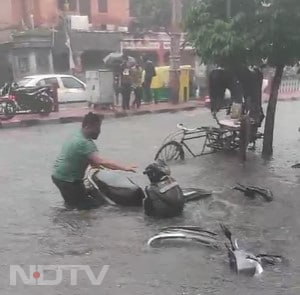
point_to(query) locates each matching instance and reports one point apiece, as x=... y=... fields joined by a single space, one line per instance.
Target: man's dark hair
x=91 y=119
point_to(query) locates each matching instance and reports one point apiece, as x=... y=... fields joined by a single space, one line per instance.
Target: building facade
x=95 y=30
x=101 y=13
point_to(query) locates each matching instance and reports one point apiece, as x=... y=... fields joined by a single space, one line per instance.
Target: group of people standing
x=136 y=78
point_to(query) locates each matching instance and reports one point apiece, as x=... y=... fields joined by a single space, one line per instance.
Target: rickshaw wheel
x=171 y=150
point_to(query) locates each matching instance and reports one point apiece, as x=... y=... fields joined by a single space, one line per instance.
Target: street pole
x=175 y=51
x=228 y=9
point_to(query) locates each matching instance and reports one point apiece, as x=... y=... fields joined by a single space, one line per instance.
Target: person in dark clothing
x=117 y=88
x=149 y=74
x=126 y=85
x=76 y=155
x=136 y=73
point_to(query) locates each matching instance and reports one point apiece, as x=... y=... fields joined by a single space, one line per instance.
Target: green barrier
x=158 y=95
x=161 y=94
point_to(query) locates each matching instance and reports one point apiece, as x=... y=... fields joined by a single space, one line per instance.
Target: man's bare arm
x=96 y=161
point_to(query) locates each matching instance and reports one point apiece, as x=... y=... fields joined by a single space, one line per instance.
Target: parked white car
x=71 y=89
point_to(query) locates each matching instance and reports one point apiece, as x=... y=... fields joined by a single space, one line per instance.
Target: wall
x=46 y=12
x=118 y=13
x=6 y=18
x=12 y=12
x=29 y=61
x=17 y=11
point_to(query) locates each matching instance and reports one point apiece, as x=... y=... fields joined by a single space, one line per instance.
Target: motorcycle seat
x=114 y=179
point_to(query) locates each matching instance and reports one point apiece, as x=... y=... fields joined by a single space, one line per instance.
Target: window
x=41 y=83
x=42 y=61
x=47 y=81
x=102 y=6
x=68 y=5
x=70 y=83
x=23 y=64
x=133 y=8
x=24 y=82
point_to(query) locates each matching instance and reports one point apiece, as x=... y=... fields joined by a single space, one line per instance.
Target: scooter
x=240 y=261
x=244 y=262
x=119 y=190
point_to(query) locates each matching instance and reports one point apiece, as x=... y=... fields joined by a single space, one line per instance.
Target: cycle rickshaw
x=233 y=133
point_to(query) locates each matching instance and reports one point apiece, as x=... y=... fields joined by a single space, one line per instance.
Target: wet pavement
x=35 y=228
x=71 y=113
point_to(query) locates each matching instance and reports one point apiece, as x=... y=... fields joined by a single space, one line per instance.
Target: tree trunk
x=271 y=110
x=175 y=51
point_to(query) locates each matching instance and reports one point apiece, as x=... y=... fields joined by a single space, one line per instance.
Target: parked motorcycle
x=7 y=109
x=17 y=99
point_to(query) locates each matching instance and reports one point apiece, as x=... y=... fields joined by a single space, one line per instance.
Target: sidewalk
x=76 y=112
x=288 y=96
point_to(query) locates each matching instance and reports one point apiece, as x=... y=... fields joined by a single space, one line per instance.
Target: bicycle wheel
x=244 y=137
x=172 y=150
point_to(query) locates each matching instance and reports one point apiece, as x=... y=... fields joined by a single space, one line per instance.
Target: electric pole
x=175 y=51
x=228 y=9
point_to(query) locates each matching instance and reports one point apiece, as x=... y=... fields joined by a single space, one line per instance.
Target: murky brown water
x=35 y=228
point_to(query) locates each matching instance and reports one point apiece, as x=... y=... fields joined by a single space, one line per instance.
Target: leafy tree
x=151 y=14
x=154 y=14
x=255 y=30
x=279 y=42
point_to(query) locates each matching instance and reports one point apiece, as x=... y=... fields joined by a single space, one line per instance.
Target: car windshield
x=24 y=82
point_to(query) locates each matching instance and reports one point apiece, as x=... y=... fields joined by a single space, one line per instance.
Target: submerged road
x=36 y=230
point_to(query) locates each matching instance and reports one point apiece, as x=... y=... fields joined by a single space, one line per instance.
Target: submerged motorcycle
x=240 y=260
x=162 y=198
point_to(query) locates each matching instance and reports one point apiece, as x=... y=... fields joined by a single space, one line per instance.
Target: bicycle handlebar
x=180 y=126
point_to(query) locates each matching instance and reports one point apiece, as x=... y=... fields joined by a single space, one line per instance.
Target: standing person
x=149 y=74
x=125 y=84
x=77 y=153
x=137 y=77
x=117 y=88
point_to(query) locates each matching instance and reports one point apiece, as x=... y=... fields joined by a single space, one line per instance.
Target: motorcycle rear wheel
x=7 y=110
x=46 y=105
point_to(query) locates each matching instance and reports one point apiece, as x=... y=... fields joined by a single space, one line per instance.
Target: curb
x=77 y=119
x=266 y=100
x=283 y=99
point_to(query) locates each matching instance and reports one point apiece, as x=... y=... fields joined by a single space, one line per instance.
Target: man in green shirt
x=77 y=153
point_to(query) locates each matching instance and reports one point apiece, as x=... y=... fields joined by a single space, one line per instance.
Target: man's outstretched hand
x=97 y=161
x=131 y=168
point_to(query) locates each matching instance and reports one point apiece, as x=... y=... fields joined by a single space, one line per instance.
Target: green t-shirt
x=72 y=162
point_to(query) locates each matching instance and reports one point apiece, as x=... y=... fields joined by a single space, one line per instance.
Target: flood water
x=36 y=229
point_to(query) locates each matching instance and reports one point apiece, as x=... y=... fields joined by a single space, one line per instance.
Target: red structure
x=157 y=46
x=55 y=97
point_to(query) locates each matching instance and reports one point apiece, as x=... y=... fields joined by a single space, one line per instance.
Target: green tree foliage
x=254 y=30
x=218 y=37
x=151 y=14
x=154 y=14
